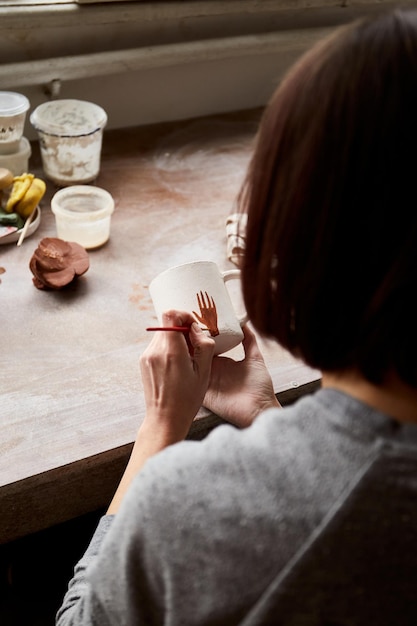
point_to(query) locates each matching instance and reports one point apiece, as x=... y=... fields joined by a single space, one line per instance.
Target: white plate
x=13 y=237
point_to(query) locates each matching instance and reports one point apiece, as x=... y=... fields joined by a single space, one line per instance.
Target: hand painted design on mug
x=208 y=313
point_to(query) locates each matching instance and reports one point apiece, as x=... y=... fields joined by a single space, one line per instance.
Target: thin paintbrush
x=178 y=329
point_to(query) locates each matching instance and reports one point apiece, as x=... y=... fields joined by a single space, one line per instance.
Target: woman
x=196 y=533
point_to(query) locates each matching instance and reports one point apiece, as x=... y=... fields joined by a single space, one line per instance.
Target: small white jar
x=83 y=214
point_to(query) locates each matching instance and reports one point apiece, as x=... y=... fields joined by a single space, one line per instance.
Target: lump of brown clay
x=56 y=263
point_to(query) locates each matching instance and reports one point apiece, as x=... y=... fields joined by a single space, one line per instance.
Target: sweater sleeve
x=206 y=526
x=77 y=603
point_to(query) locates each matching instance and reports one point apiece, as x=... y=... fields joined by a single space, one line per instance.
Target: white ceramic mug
x=200 y=288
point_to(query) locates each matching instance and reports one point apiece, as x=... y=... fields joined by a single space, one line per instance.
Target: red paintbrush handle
x=178 y=329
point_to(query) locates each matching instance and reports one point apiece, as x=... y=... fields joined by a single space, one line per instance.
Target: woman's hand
x=239 y=390
x=175 y=371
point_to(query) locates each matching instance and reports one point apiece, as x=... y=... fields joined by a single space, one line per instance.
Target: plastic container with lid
x=13 y=109
x=83 y=214
x=18 y=161
x=70 y=136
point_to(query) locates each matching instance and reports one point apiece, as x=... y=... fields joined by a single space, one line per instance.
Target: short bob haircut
x=330 y=269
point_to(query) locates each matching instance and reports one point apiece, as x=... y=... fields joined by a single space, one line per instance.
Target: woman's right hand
x=175 y=374
x=175 y=371
x=239 y=390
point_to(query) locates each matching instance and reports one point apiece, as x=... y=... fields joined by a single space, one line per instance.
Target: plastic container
x=13 y=109
x=83 y=214
x=17 y=162
x=70 y=137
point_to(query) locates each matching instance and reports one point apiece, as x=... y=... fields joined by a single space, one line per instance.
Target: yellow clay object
x=27 y=191
x=31 y=199
x=21 y=185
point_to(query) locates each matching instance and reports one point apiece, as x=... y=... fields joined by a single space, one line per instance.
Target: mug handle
x=230 y=275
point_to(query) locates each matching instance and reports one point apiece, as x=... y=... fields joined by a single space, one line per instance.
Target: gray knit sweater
x=206 y=526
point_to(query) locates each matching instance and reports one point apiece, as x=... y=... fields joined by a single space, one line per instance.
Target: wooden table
x=71 y=395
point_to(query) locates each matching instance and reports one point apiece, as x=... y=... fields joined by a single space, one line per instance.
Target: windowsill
x=41 y=31
x=37 y=30
x=172 y=60
x=17 y=4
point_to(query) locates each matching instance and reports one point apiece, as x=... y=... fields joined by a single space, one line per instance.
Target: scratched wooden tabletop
x=71 y=395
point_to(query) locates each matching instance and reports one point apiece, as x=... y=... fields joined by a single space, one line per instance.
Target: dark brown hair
x=330 y=269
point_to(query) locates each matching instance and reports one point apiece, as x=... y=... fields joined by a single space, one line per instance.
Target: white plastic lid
x=68 y=118
x=12 y=103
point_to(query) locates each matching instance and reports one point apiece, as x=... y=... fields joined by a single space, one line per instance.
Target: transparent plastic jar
x=17 y=162
x=70 y=135
x=83 y=215
x=13 y=109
